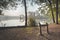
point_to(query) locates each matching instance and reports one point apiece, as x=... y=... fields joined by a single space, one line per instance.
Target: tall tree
x=51 y=10
x=56 y=11
x=25 y=12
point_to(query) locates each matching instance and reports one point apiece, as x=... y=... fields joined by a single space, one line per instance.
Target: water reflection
x=11 y=23
x=12 y=20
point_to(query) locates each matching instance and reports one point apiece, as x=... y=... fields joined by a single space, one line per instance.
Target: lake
x=8 y=21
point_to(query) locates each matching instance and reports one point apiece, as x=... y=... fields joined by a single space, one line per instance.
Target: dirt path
x=30 y=33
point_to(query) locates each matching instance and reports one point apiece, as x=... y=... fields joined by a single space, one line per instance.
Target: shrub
x=31 y=21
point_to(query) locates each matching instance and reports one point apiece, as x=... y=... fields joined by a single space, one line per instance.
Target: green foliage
x=31 y=21
x=4 y=3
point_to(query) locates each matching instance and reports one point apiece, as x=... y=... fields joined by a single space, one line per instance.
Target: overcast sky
x=19 y=10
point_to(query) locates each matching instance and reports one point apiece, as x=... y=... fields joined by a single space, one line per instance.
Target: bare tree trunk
x=52 y=15
x=0 y=12
x=56 y=11
x=25 y=12
x=52 y=11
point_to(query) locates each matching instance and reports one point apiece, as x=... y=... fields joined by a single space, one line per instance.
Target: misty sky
x=19 y=9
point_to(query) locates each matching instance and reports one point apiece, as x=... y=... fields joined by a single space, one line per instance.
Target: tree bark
x=52 y=15
x=0 y=12
x=52 y=11
x=56 y=11
x=25 y=13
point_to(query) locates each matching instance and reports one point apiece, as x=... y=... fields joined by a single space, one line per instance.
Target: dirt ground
x=30 y=33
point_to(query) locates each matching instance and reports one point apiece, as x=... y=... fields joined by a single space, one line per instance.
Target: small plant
x=31 y=21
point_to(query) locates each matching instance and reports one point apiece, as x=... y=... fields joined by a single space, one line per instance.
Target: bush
x=31 y=21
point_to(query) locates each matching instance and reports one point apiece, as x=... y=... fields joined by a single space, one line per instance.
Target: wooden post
x=40 y=29
x=47 y=28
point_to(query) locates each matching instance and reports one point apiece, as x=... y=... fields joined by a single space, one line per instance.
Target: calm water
x=11 y=23
x=15 y=21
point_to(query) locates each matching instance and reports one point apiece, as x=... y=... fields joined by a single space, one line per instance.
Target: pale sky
x=19 y=10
